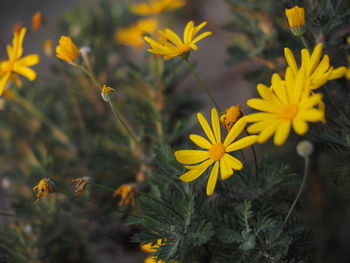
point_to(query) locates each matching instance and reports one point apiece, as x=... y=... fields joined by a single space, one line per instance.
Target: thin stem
x=201 y=84
x=254 y=155
x=103 y=187
x=10 y=215
x=84 y=199
x=40 y=116
x=119 y=116
x=303 y=40
x=306 y=171
x=91 y=76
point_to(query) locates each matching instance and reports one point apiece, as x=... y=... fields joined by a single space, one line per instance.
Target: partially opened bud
x=296 y=20
x=67 y=50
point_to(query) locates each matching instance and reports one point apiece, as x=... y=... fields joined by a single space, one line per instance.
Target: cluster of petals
x=170 y=45
x=153 y=7
x=16 y=64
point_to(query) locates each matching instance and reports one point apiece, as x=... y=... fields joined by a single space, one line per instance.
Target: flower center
x=289 y=112
x=217 y=151
x=183 y=49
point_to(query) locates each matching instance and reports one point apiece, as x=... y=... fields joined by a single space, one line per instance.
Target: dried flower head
x=296 y=19
x=127 y=193
x=44 y=187
x=37 y=20
x=305 y=148
x=67 y=50
x=230 y=116
x=105 y=92
x=80 y=184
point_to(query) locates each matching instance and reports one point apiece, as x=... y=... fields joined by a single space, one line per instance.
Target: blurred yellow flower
x=44 y=187
x=215 y=151
x=133 y=35
x=127 y=193
x=37 y=20
x=67 y=50
x=17 y=27
x=15 y=64
x=170 y=45
x=153 y=7
x=231 y=116
x=48 y=47
x=317 y=71
x=284 y=105
x=296 y=19
x=149 y=248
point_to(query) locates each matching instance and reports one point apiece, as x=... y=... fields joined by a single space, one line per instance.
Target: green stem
x=255 y=158
x=306 y=171
x=40 y=116
x=103 y=187
x=303 y=40
x=201 y=84
x=83 y=199
x=91 y=76
x=119 y=116
x=10 y=215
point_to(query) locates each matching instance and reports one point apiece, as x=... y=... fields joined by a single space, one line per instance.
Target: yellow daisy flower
x=284 y=105
x=67 y=50
x=153 y=7
x=132 y=35
x=127 y=194
x=317 y=71
x=215 y=151
x=15 y=64
x=170 y=45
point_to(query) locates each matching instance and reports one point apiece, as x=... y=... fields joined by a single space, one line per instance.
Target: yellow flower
x=284 y=105
x=296 y=19
x=15 y=64
x=67 y=50
x=231 y=116
x=153 y=7
x=149 y=248
x=317 y=71
x=127 y=193
x=170 y=45
x=44 y=187
x=37 y=20
x=132 y=35
x=48 y=48
x=215 y=151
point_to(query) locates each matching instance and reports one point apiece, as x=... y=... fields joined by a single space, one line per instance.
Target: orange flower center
x=217 y=151
x=183 y=49
x=289 y=112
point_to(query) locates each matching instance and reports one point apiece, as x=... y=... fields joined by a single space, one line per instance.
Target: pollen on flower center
x=289 y=112
x=217 y=151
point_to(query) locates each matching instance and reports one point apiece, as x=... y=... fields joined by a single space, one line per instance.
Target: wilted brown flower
x=80 y=184
x=231 y=116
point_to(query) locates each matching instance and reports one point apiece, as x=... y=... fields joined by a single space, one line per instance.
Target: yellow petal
x=3 y=81
x=282 y=132
x=201 y=36
x=300 y=126
x=322 y=67
x=25 y=71
x=213 y=177
x=235 y=131
x=215 y=124
x=29 y=60
x=338 y=73
x=315 y=58
x=172 y=36
x=291 y=60
x=200 y=141
x=206 y=128
x=187 y=32
x=242 y=143
x=193 y=174
x=268 y=131
x=312 y=115
x=259 y=116
x=233 y=162
x=225 y=169
x=262 y=105
x=191 y=156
